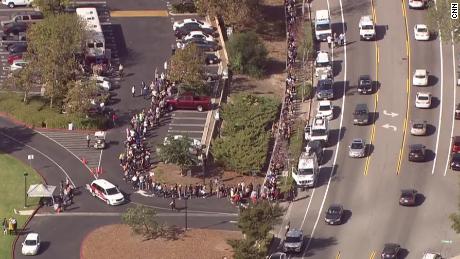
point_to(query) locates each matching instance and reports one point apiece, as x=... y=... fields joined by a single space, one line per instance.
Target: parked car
x=10 y=39
x=202 y=44
x=430 y=255
x=357 y=148
x=456 y=144
x=421 y=32
x=418 y=128
x=200 y=36
x=186 y=26
x=317 y=147
x=189 y=101
x=18 y=64
x=420 y=77
x=457 y=111
x=103 y=82
x=365 y=84
x=455 y=161
x=15 y=28
x=408 y=197
x=391 y=250
x=13 y=57
x=25 y=17
x=31 y=244
x=14 y=3
x=211 y=59
x=106 y=191
x=417 y=153
x=324 y=89
x=278 y=255
x=17 y=48
x=325 y=109
x=334 y=214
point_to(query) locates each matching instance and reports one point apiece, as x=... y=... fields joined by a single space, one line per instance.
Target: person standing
x=342 y=39
x=173 y=49
x=133 y=90
x=335 y=40
x=114 y=119
x=88 y=140
x=120 y=70
x=172 y=204
x=5 y=226
x=329 y=41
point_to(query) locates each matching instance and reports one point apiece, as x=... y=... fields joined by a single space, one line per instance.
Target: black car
x=391 y=251
x=361 y=114
x=455 y=161
x=408 y=197
x=457 y=111
x=365 y=84
x=211 y=77
x=189 y=27
x=212 y=59
x=417 y=153
x=203 y=45
x=317 y=147
x=15 y=28
x=334 y=214
x=17 y=48
x=324 y=89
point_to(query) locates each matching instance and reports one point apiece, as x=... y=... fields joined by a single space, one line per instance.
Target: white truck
x=322 y=25
x=319 y=130
x=366 y=28
x=323 y=65
x=307 y=171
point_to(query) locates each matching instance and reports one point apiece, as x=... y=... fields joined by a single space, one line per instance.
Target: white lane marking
x=89 y=169
x=392 y=114
x=100 y=160
x=185 y=131
x=440 y=100
x=453 y=107
x=117 y=214
x=308 y=207
x=188 y=118
x=340 y=132
x=186 y=125
x=286 y=216
x=41 y=153
x=388 y=126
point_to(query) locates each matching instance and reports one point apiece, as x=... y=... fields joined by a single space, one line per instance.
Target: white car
x=421 y=32
x=418 y=128
x=420 y=77
x=325 y=109
x=106 y=191
x=431 y=256
x=18 y=64
x=417 y=4
x=14 y=3
x=423 y=100
x=103 y=82
x=198 y=23
x=31 y=244
x=199 y=35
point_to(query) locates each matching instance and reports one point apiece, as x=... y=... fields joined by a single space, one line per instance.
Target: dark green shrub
x=247 y=54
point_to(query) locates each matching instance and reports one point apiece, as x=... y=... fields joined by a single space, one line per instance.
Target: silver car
x=418 y=128
x=357 y=148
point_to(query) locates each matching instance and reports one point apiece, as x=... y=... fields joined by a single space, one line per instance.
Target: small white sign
x=30 y=157
x=454 y=11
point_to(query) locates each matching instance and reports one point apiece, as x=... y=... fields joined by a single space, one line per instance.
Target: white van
x=322 y=25
x=106 y=191
x=14 y=3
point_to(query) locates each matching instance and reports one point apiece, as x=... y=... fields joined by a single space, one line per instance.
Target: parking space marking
x=139 y=13
x=185 y=131
x=189 y=118
x=185 y=125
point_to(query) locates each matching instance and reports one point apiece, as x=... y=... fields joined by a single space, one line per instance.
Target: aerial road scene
x=218 y=129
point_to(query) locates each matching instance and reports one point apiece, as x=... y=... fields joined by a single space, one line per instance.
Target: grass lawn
x=12 y=195
x=37 y=113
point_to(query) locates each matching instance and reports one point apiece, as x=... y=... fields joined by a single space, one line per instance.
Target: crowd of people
x=9 y=226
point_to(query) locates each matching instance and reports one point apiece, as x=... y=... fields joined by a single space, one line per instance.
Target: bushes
x=184 y=7
x=244 y=144
x=37 y=114
x=247 y=54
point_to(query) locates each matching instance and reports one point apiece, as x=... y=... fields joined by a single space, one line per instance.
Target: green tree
x=51 y=6
x=81 y=95
x=178 y=151
x=187 y=66
x=247 y=54
x=143 y=221
x=245 y=249
x=439 y=20
x=455 y=222
x=257 y=221
x=53 y=44
x=23 y=80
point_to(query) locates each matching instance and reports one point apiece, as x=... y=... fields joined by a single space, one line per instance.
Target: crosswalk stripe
x=139 y=13
x=186 y=125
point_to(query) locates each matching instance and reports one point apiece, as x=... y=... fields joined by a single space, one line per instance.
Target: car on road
x=18 y=64
x=420 y=77
x=408 y=197
x=199 y=35
x=423 y=100
x=361 y=114
x=418 y=127
x=457 y=111
x=334 y=214
x=455 y=161
x=421 y=32
x=293 y=241
x=278 y=255
x=106 y=191
x=211 y=59
x=455 y=144
x=417 y=4
x=325 y=109
x=31 y=244
x=364 y=84
x=430 y=255
x=317 y=147
x=324 y=89
x=188 y=101
x=17 y=48
x=14 y=3
x=13 y=57
x=391 y=250
x=357 y=148
x=15 y=28
x=417 y=153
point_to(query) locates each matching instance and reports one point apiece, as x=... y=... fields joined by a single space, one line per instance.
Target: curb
x=16 y=121
x=181 y=14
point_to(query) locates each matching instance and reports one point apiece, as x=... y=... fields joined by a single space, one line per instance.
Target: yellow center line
x=372 y=255
x=338 y=255
x=139 y=13
x=406 y=118
x=376 y=95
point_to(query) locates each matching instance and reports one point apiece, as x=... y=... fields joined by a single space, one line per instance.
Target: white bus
x=94 y=43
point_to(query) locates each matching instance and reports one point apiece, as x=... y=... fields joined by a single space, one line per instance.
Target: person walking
x=335 y=40
x=329 y=41
x=114 y=119
x=5 y=226
x=88 y=140
x=342 y=39
x=133 y=90
x=172 y=204
x=173 y=49
x=120 y=70
x=145 y=91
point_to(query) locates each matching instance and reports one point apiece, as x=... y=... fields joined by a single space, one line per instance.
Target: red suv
x=456 y=144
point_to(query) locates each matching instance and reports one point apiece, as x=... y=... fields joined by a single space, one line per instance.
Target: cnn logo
x=454 y=11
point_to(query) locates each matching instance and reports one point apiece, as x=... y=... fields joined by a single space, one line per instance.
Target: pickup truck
x=189 y=101
x=7 y=40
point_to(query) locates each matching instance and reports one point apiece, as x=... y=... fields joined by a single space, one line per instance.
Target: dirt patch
x=170 y=174
x=117 y=241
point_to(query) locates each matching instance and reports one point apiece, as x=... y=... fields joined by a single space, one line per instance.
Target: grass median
x=12 y=195
x=37 y=113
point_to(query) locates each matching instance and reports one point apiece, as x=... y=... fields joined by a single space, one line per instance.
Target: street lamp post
x=25 y=189
x=186 y=223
